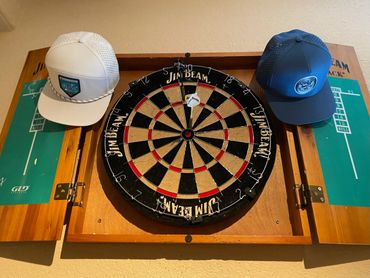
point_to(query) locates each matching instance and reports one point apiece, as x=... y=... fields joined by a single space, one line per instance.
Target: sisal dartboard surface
x=184 y=163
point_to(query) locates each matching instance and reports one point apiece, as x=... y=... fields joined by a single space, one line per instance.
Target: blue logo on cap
x=305 y=85
x=70 y=86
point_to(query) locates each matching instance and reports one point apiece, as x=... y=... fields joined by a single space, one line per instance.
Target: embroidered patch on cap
x=305 y=85
x=70 y=86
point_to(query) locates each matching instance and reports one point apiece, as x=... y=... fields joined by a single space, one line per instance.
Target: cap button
x=298 y=39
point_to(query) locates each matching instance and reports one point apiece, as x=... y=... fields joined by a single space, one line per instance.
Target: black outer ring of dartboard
x=236 y=208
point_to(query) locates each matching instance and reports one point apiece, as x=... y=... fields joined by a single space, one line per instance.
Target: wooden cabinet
x=283 y=214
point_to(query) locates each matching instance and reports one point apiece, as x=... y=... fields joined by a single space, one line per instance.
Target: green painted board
x=30 y=154
x=343 y=143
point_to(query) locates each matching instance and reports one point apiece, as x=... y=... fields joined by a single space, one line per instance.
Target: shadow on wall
x=326 y=255
x=42 y=253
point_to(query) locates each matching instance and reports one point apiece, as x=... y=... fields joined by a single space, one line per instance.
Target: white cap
x=83 y=72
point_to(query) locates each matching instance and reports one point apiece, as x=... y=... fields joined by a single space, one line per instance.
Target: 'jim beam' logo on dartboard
x=188 y=162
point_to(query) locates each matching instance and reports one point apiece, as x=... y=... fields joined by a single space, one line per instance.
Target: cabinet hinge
x=306 y=194
x=68 y=191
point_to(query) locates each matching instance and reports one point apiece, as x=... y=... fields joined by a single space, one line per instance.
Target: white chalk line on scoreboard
x=2 y=181
x=350 y=94
x=350 y=156
x=29 y=153
x=37 y=124
x=341 y=121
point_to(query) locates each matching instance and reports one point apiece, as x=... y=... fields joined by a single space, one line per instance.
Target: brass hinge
x=68 y=191
x=306 y=194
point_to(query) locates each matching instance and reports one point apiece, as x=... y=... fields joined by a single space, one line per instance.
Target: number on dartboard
x=189 y=164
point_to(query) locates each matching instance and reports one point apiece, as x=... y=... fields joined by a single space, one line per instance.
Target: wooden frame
x=105 y=217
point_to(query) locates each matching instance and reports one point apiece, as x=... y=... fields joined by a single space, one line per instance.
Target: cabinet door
x=35 y=156
x=336 y=156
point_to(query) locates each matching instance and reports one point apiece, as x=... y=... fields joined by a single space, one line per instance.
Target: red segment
x=218 y=157
x=175 y=169
x=158 y=115
x=140 y=103
x=209 y=193
x=241 y=170
x=200 y=169
x=133 y=167
x=201 y=104
x=206 y=85
x=166 y=193
x=176 y=103
x=125 y=136
x=156 y=155
x=237 y=103
x=218 y=115
x=226 y=134
x=251 y=138
x=170 y=86
x=150 y=131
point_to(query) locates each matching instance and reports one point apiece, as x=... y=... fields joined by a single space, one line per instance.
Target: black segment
x=237 y=148
x=216 y=99
x=206 y=157
x=219 y=174
x=161 y=126
x=164 y=141
x=215 y=126
x=190 y=89
x=138 y=149
x=235 y=120
x=202 y=116
x=156 y=173
x=213 y=141
x=141 y=120
x=170 y=156
x=188 y=160
x=187 y=184
x=187 y=110
x=160 y=100
x=172 y=115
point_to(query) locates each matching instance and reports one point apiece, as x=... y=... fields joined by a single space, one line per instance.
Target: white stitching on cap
x=76 y=100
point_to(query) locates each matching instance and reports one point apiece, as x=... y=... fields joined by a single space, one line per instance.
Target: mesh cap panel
x=100 y=46
x=275 y=50
x=277 y=47
x=312 y=39
x=105 y=51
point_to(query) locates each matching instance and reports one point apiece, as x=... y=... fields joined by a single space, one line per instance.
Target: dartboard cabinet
x=187 y=152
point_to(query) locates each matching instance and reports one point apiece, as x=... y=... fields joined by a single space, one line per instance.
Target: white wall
x=9 y=14
x=178 y=26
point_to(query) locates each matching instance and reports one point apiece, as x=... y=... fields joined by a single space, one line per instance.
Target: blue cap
x=293 y=71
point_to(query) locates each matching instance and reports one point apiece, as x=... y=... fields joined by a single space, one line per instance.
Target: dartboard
x=188 y=144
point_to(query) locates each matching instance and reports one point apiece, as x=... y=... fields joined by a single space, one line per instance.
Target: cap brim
x=55 y=109
x=300 y=111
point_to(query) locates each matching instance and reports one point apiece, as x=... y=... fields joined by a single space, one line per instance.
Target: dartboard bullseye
x=184 y=163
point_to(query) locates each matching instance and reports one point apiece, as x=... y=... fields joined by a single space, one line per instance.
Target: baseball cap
x=293 y=73
x=83 y=72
